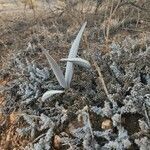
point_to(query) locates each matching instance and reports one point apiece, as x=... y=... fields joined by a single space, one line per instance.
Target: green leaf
x=56 y=69
x=79 y=61
x=72 y=54
x=48 y=94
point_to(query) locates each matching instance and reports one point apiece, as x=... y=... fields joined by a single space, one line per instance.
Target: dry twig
x=101 y=79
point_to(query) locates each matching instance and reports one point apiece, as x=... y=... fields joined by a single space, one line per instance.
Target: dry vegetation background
x=54 y=24
x=106 y=17
x=111 y=18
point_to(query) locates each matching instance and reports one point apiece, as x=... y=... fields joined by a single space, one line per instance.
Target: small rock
x=57 y=142
x=106 y=124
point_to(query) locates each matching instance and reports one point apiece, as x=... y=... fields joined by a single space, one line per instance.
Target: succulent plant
x=65 y=81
